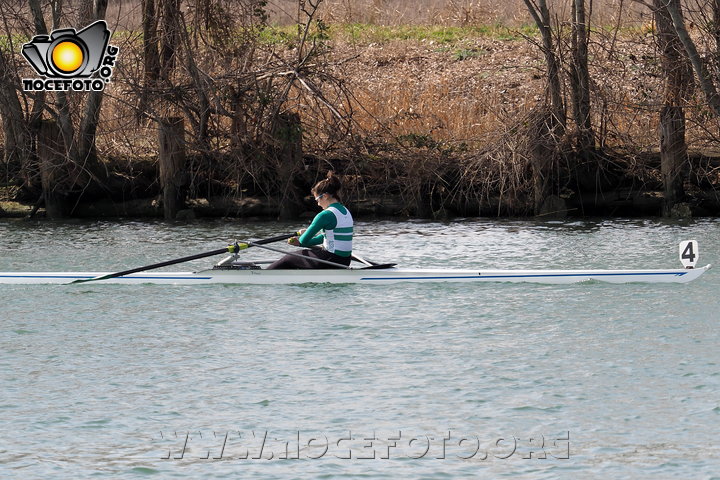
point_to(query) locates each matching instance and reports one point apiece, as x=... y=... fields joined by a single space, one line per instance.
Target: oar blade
x=94 y=279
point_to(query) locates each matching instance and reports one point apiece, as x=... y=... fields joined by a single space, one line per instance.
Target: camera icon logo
x=68 y=54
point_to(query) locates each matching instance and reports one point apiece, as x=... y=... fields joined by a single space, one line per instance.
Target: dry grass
x=510 y=13
x=457 y=93
x=465 y=91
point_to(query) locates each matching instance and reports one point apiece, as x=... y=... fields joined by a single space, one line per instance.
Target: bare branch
x=701 y=70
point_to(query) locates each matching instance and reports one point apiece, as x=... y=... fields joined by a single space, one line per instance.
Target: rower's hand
x=295 y=240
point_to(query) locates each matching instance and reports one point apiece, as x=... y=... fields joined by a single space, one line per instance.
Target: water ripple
x=110 y=381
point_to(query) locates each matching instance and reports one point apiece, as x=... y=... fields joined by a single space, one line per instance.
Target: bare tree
x=548 y=125
x=678 y=83
x=580 y=78
x=247 y=104
x=541 y=15
x=87 y=151
x=81 y=170
x=17 y=148
x=699 y=65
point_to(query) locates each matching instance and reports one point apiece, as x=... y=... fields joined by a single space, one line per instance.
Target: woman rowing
x=336 y=224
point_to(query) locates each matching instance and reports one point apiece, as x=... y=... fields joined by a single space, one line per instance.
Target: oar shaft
x=170 y=262
x=230 y=249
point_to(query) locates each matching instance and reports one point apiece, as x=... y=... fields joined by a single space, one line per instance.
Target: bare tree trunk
x=162 y=39
x=169 y=37
x=56 y=11
x=52 y=162
x=151 y=55
x=86 y=13
x=546 y=130
x=173 y=177
x=678 y=76
x=64 y=121
x=67 y=129
x=87 y=153
x=17 y=140
x=541 y=15
x=544 y=155
x=38 y=19
x=673 y=154
x=287 y=134
x=39 y=103
x=202 y=86
x=580 y=83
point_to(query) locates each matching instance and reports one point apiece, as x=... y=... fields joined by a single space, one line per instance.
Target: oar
x=235 y=248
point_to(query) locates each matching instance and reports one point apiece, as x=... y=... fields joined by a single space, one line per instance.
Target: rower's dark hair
x=329 y=186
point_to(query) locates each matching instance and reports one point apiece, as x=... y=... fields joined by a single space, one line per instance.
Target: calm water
x=434 y=381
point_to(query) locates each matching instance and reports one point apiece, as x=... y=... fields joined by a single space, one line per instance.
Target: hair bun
x=331 y=185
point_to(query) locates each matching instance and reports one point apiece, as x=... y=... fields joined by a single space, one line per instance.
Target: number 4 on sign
x=689 y=253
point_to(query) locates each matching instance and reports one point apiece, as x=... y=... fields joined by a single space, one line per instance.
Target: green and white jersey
x=338 y=240
x=337 y=224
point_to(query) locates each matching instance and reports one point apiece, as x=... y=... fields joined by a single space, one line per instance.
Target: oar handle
x=279 y=238
x=236 y=247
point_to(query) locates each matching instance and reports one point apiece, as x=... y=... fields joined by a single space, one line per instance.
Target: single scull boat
x=231 y=271
x=362 y=275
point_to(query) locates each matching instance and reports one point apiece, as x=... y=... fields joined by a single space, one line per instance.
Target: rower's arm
x=323 y=220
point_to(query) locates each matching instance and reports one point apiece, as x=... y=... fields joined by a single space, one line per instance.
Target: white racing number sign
x=689 y=253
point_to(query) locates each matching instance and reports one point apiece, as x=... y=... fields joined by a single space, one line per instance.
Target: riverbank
x=441 y=126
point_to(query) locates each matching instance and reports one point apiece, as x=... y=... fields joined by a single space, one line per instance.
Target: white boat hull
x=367 y=276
